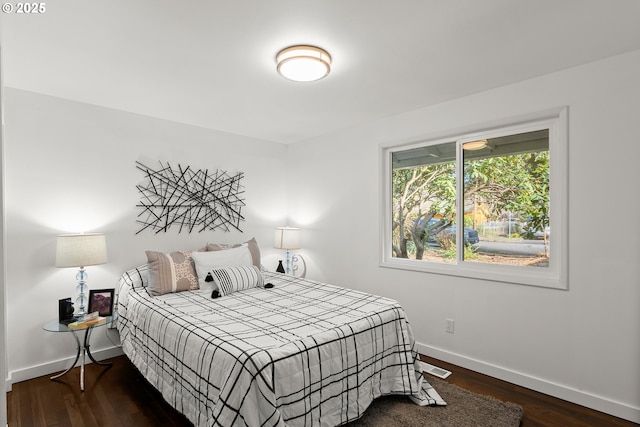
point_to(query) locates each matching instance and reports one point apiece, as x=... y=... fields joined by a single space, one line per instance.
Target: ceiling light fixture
x=474 y=145
x=303 y=63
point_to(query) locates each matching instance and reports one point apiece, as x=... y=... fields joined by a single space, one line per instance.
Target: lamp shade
x=286 y=238
x=81 y=250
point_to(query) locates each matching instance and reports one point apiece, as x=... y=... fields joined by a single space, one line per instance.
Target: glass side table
x=56 y=326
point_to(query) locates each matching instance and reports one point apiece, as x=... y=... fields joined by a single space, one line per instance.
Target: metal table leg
x=87 y=336
x=85 y=350
x=74 y=362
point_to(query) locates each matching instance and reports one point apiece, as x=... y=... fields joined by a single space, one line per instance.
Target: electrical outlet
x=450 y=325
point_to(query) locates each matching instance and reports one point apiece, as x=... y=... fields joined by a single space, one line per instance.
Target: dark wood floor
x=539 y=409
x=120 y=397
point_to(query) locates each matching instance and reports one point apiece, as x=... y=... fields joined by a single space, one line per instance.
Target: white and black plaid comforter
x=300 y=354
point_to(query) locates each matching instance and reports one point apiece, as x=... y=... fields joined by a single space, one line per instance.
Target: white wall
x=582 y=344
x=3 y=351
x=70 y=167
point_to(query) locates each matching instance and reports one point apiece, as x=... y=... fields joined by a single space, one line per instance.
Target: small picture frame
x=101 y=300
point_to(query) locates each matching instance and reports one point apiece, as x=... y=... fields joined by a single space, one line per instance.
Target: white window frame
x=556 y=274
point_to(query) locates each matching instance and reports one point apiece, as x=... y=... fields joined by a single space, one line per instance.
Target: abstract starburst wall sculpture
x=192 y=200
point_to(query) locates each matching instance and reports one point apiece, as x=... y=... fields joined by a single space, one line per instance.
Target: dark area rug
x=464 y=409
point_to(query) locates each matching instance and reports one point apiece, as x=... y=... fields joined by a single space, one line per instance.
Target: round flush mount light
x=303 y=63
x=475 y=145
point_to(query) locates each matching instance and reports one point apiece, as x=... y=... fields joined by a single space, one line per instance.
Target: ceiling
x=212 y=63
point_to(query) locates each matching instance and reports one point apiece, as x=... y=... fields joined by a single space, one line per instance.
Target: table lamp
x=81 y=250
x=287 y=238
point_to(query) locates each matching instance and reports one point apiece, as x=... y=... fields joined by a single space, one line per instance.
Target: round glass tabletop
x=55 y=325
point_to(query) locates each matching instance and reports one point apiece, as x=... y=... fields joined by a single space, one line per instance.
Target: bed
x=302 y=353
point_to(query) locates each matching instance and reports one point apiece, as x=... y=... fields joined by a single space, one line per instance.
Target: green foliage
x=419 y=193
x=516 y=183
x=446 y=240
x=451 y=253
x=534 y=200
x=470 y=252
x=495 y=181
x=411 y=247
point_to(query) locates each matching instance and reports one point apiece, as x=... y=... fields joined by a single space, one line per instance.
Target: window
x=489 y=204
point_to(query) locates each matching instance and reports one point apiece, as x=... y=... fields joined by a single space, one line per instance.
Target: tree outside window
x=504 y=204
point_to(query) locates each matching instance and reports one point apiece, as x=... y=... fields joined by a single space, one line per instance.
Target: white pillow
x=236 y=278
x=207 y=261
x=252 y=244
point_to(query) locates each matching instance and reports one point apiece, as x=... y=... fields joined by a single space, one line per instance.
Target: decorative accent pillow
x=236 y=278
x=252 y=244
x=171 y=272
x=206 y=261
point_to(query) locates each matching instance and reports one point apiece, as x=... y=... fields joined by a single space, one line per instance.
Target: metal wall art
x=189 y=199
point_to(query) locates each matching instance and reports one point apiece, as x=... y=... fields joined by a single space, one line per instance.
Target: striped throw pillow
x=236 y=278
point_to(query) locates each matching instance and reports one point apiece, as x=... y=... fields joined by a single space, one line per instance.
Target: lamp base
x=82 y=288
x=294 y=266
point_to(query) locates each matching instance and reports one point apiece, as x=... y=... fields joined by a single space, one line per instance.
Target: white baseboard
x=56 y=366
x=599 y=403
